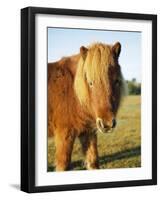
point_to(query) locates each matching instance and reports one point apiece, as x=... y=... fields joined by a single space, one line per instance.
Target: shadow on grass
x=128 y=153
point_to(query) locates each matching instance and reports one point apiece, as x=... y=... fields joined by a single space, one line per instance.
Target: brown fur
x=81 y=89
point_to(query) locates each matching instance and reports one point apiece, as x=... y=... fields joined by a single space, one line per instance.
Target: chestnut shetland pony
x=84 y=93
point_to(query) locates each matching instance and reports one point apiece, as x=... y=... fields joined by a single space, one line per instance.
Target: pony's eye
x=91 y=83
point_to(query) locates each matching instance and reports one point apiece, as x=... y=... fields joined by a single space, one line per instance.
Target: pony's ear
x=83 y=52
x=117 y=49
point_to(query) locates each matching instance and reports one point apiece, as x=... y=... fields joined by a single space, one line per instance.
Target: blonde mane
x=94 y=68
x=96 y=62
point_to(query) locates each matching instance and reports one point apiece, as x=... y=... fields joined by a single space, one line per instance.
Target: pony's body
x=73 y=109
x=69 y=113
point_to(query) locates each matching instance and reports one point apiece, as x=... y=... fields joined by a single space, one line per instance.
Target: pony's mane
x=88 y=70
x=94 y=68
x=97 y=62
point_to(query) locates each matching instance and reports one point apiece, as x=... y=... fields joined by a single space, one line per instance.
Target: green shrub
x=134 y=88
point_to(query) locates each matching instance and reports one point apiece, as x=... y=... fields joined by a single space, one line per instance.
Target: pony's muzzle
x=105 y=127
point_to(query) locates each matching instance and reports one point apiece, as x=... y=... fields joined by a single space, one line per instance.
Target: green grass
x=119 y=149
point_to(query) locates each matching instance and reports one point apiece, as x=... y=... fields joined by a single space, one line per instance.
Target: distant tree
x=134 y=88
x=134 y=80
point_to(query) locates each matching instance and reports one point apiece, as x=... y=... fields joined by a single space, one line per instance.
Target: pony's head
x=99 y=83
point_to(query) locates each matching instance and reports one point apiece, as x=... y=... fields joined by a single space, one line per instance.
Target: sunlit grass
x=120 y=149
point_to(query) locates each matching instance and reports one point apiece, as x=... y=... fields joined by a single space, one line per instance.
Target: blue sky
x=65 y=42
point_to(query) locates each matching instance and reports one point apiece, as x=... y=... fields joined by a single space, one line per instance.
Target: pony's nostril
x=106 y=126
x=113 y=123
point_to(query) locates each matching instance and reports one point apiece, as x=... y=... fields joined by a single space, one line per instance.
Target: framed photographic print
x=88 y=99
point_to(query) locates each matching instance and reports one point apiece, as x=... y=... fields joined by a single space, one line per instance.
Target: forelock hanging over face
x=93 y=66
x=97 y=61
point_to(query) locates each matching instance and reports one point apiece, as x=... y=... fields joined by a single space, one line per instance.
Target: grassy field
x=120 y=149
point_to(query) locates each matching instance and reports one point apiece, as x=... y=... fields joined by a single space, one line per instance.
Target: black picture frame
x=28 y=98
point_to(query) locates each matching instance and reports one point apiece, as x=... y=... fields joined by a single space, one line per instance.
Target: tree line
x=134 y=88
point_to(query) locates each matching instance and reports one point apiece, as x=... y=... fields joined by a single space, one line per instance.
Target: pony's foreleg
x=89 y=147
x=64 y=141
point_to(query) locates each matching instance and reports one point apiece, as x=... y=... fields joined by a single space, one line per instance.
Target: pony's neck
x=73 y=62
